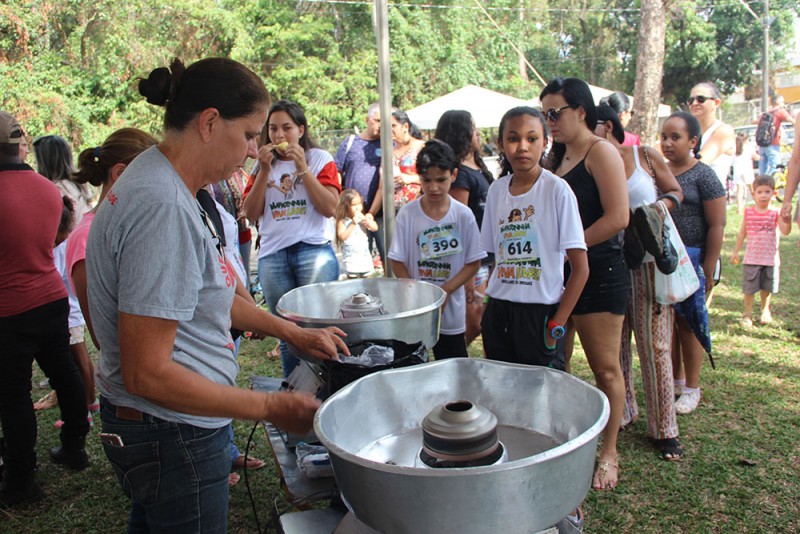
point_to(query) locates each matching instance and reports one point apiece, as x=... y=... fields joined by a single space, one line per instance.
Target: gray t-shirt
x=150 y=253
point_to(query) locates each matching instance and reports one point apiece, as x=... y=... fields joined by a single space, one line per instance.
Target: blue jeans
x=175 y=474
x=295 y=266
x=770 y=157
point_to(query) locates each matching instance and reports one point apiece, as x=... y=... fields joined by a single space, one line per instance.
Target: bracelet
x=671 y=197
x=556 y=330
x=301 y=173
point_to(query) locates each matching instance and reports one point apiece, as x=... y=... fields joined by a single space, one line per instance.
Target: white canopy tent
x=486 y=107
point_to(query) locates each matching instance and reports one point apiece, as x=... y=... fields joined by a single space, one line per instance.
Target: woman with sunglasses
x=595 y=171
x=648 y=320
x=718 y=140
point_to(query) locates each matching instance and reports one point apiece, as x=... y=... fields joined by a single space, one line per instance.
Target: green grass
x=740 y=472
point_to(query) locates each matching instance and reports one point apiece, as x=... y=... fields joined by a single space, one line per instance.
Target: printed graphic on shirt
x=439 y=241
x=518 y=249
x=287 y=209
x=436 y=272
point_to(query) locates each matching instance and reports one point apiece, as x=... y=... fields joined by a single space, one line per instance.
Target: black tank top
x=591 y=209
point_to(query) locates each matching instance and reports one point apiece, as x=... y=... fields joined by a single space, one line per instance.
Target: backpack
x=765 y=132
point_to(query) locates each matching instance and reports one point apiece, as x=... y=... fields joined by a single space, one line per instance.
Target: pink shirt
x=762 y=237
x=76 y=244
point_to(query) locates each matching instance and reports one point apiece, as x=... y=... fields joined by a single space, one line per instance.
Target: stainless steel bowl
x=548 y=420
x=412 y=310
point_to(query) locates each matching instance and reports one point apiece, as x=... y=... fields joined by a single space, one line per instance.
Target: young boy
x=436 y=240
x=761 y=257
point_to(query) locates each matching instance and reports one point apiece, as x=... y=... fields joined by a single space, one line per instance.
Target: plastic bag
x=683 y=282
x=313 y=460
x=373 y=355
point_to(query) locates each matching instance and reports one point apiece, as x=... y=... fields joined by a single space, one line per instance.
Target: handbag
x=682 y=282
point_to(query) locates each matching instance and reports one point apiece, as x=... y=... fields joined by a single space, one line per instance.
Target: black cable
x=247 y=480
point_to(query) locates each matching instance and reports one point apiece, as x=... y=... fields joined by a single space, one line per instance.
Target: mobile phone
x=111 y=439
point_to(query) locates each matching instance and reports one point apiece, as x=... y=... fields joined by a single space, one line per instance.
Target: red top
x=30 y=210
x=779 y=115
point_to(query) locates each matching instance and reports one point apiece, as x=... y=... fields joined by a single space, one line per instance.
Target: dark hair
x=400 y=116
x=298 y=117
x=692 y=127
x=605 y=112
x=764 y=179
x=741 y=139
x=342 y=208
x=577 y=93
x=67 y=216
x=120 y=147
x=715 y=92
x=519 y=111
x=455 y=127
x=221 y=83
x=436 y=153
x=618 y=101
x=53 y=157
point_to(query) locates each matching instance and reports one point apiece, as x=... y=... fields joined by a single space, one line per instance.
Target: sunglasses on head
x=553 y=114
x=700 y=99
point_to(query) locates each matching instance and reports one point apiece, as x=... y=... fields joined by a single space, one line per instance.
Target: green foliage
x=71 y=66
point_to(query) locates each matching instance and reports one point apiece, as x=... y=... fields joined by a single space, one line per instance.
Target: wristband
x=556 y=330
x=671 y=197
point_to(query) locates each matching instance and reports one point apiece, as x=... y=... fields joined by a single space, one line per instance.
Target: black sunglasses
x=553 y=114
x=700 y=99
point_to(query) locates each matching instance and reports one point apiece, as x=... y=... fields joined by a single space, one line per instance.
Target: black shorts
x=607 y=289
x=515 y=332
x=450 y=346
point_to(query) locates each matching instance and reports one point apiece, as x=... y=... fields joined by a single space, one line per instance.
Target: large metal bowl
x=412 y=310
x=524 y=495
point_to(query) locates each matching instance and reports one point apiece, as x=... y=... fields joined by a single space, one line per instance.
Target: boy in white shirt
x=436 y=240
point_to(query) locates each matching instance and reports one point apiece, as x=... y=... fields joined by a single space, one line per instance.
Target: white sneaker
x=688 y=401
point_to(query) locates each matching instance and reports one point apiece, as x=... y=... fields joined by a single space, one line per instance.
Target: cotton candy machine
x=368 y=309
x=463 y=446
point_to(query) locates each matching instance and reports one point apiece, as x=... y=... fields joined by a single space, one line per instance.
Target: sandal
x=48 y=401
x=251 y=463
x=602 y=481
x=670 y=449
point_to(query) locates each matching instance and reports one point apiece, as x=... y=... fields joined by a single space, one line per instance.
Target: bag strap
x=649 y=163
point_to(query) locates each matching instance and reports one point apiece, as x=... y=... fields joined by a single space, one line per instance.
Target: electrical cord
x=247 y=480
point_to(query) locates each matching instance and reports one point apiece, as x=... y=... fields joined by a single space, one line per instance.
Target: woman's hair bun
x=156 y=87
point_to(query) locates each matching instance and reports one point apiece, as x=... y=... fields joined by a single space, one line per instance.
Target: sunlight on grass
x=740 y=472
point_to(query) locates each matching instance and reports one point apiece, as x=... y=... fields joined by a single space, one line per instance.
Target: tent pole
x=381 y=22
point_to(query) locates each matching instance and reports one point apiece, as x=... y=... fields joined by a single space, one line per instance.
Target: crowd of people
x=569 y=239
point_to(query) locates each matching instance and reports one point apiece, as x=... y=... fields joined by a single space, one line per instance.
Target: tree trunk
x=649 y=69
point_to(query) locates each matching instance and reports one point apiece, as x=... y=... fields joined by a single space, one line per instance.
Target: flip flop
x=604 y=467
x=252 y=463
x=48 y=401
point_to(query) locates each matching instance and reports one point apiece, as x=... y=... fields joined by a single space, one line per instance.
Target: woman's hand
x=265 y=157
x=296 y=153
x=291 y=410
x=321 y=343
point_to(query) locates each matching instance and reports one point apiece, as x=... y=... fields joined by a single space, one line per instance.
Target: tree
x=649 y=68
